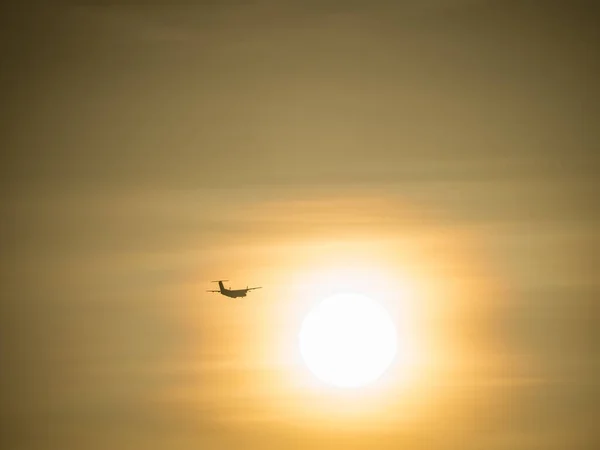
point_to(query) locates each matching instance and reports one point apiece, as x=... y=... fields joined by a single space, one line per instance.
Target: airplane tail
x=221 y=287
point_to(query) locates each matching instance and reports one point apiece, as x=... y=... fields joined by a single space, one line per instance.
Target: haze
x=151 y=148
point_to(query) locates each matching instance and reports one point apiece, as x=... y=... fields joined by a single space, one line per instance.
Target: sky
x=441 y=154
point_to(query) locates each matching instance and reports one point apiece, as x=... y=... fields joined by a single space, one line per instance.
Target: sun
x=348 y=340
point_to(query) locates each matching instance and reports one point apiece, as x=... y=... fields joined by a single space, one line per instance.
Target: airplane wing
x=249 y=289
x=213 y=291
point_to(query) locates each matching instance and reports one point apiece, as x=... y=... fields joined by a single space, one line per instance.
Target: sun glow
x=357 y=322
x=348 y=340
x=427 y=277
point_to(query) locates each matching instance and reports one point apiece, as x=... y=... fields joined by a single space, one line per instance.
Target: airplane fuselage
x=234 y=294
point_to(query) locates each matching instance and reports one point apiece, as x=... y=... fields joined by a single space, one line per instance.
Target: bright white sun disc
x=348 y=340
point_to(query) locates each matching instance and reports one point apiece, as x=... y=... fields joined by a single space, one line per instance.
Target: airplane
x=232 y=293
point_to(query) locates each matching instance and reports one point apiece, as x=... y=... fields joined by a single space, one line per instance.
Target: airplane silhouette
x=232 y=293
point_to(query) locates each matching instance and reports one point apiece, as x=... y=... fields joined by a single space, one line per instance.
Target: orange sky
x=439 y=156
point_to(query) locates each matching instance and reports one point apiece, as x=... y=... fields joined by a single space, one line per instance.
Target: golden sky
x=439 y=155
